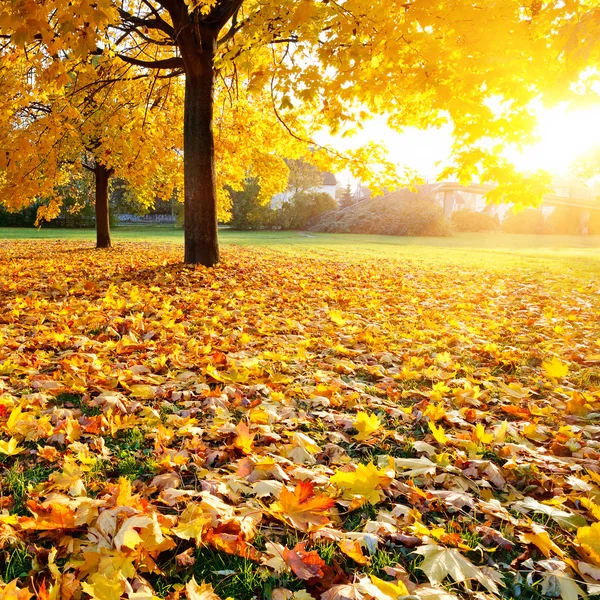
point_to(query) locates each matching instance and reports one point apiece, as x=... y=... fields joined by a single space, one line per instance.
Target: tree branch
x=222 y=12
x=156 y=23
x=174 y=62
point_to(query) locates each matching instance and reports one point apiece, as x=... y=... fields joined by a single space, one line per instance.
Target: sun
x=564 y=135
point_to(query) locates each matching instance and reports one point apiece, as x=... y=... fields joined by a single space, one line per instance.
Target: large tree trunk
x=200 y=212
x=102 y=221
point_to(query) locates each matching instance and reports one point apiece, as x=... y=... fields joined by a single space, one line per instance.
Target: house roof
x=329 y=179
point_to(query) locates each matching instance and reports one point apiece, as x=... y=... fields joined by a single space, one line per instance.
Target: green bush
x=527 y=221
x=302 y=208
x=399 y=213
x=246 y=210
x=474 y=221
x=22 y=218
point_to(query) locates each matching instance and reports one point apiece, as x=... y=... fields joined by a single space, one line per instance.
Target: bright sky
x=564 y=136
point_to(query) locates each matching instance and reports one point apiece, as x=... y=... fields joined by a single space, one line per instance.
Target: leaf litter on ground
x=292 y=428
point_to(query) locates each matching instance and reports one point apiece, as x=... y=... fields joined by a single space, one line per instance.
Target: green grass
x=231 y=576
x=16 y=562
x=576 y=255
x=16 y=480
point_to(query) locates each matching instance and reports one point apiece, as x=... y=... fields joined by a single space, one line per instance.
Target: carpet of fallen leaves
x=283 y=427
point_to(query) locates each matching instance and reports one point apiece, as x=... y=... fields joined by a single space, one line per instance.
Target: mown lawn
x=320 y=417
x=578 y=255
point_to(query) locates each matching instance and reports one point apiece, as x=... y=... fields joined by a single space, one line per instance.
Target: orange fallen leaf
x=305 y=565
x=302 y=508
x=353 y=549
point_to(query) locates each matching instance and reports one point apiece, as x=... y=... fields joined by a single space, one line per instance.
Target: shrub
x=474 y=221
x=303 y=209
x=22 y=218
x=246 y=210
x=528 y=221
x=594 y=228
x=398 y=213
x=566 y=220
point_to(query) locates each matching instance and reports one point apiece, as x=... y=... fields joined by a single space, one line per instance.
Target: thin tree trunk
x=200 y=211
x=102 y=221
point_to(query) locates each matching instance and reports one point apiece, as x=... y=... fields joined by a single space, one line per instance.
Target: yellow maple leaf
x=578 y=405
x=392 y=589
x=12 y=592
x=500 y=432
x=14 y=416
x=366 y=482
x=532 y=432
x=481 y=436
x=539 y=537
x=193 y=523
x=259 y=417
x=438 y=433
x=366 y=425
x=142 y=391
x=555 y=368
x=589 y=538
x=100 y=587
x=593 y=508
x=202 y=591
x=10 y=448
x=244 y=438
x=335 y=316
x=435 y=411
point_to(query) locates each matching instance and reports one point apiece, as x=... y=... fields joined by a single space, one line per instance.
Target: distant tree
x=472 y=221
x=127 y=129
x=247 y=210
x=303 y=177
x=347 y=200
x=528 y=221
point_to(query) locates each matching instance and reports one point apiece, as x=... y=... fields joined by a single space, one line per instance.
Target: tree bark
x=102 y=222
x=200 y=211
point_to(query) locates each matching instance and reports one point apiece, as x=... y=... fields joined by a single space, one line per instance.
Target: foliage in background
x=247 y=209
x=399 y=213
x=563 y=220
x=248 y=212
x=346 y=198
x=527 y=221
x=77 y=206
x=52 y=136
x=304 y=208
x=566 y=220
x=304 y=177
x=466 y=220
x=22 y=218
